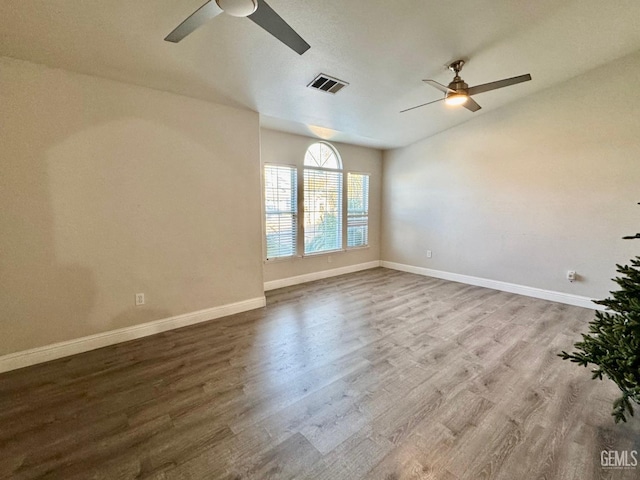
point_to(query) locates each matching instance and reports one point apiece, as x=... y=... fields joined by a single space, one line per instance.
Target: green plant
x=613 y=342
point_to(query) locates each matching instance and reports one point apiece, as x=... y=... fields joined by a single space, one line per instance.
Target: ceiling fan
x=459 y=93
x=257 y=11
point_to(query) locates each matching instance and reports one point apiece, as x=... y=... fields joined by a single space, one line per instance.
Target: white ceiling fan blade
x=198 y=18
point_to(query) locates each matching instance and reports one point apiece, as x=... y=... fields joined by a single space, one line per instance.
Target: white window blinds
x=280 y=192
x=322 y=210
x=357 y=210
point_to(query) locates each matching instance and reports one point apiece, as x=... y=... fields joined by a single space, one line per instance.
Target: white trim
x=310 y=277
x=33 y=356
x=568 y=298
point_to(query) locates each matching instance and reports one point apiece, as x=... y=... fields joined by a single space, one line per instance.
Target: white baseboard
x=33 y=356
x=560 y=297
x=310 y=277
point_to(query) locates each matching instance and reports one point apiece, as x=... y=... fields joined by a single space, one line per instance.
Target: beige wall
x=108 y=190
x=527 y=192
x=285 y=148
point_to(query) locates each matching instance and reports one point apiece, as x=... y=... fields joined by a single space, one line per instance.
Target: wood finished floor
x=373 y=375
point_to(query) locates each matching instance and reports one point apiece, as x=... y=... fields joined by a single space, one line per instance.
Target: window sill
x=327 y=252
x=280 y=259
x=313 y=255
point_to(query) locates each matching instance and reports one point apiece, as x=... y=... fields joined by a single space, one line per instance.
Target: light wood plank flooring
x=374 y=375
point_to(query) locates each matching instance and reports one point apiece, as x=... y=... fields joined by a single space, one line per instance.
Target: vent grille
x=327 y=84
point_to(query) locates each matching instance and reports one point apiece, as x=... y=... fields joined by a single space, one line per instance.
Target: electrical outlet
x=571 y=275
x=329 y=259
x=428 y=253
x=139 y=299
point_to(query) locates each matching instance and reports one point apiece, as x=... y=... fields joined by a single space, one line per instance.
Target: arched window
x=322 y=199
x=322 y=155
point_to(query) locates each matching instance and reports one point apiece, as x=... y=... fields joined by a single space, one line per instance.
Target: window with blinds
x=322 y=199
x=332 y=202
x=357 y=210
x=322 y=211
x=280 y=192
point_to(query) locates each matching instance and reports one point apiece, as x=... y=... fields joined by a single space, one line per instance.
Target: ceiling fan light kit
x=456 y=99
x=238 y=8
x=459 y=93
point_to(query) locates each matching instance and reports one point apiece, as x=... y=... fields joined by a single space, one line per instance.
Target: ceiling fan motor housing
x=458 y=85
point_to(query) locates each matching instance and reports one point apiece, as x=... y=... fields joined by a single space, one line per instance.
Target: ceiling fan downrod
x=459 y=94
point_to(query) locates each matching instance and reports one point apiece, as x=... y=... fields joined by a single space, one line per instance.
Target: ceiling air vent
x=327 y=84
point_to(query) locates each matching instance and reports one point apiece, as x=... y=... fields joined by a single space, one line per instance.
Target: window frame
x=368 y=200
x=295 y=213
x=341 y=175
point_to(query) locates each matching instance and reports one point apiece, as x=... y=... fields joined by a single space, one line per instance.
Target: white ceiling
x=382 y=48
